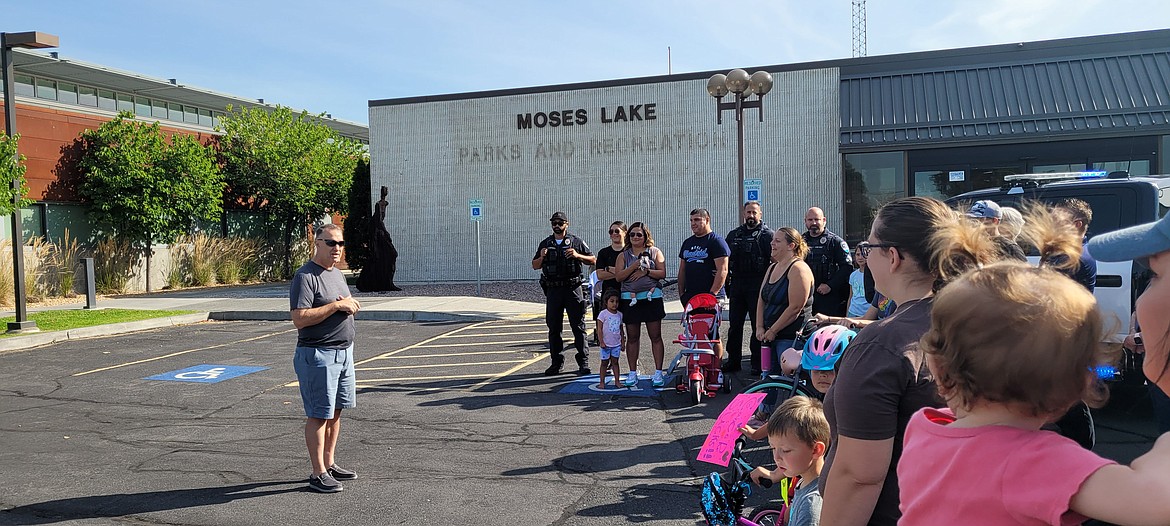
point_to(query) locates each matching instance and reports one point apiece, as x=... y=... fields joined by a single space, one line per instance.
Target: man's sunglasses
x=864 y=247
x=331 y=243
x=558 y=223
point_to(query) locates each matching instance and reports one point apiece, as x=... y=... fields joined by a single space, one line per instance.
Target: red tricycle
x=700 y=322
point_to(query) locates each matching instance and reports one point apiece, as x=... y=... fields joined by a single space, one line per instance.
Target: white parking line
x=417 y=366
x=434 y=345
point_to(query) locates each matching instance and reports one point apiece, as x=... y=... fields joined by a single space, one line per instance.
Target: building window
x=67 y=92
x=24 y=85
x=1135 y=167
x=106 y=100
x=46 y=89
x=87 y=96
x=205 y=118
x=125 y=102
x=175 y=111
x=190 y=115
x=142 y=106
x=158 y=109
x=871 y=180
x=1165 y=155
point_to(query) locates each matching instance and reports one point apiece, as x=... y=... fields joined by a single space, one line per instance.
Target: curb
x=29 y=341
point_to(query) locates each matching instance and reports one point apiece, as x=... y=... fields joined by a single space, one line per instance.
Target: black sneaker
x=341 y=473
x=584 y=371
x=731 y=367
x=553 y=370
x=325 y=483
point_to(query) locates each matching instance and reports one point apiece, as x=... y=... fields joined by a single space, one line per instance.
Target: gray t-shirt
x=806 y=505
x=314 y=286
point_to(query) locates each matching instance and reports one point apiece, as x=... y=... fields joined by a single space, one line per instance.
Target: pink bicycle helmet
x=825 y=347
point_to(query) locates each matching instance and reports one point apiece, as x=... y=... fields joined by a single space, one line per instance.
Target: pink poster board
x=720 y=441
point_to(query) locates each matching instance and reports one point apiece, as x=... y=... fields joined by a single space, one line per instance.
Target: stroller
x=700 y=322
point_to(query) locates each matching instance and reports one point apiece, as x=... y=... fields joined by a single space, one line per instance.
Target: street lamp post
x=742 y=86
x=32 y=40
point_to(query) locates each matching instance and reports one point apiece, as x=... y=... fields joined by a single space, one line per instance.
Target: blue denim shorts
x=611 y=352
x=327 y=380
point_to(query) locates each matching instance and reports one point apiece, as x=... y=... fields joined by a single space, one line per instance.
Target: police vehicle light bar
x=1057 y=176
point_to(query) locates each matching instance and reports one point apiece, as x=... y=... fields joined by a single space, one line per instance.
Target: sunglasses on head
x=331 y=243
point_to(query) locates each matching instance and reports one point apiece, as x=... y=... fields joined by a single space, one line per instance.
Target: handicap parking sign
x=206 y=374
x=753 y=195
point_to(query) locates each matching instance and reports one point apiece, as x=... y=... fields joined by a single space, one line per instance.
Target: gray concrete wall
x=435 y=156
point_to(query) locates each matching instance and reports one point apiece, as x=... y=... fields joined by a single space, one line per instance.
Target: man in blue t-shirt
x=702 y=263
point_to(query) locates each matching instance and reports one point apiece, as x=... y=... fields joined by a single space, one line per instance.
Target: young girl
x=1012 y=347
x=858 y=306
x=611 y=335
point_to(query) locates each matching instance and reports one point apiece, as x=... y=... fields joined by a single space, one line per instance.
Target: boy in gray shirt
x=799 y=435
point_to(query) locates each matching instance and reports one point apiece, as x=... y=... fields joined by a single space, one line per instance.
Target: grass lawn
x=65 y=319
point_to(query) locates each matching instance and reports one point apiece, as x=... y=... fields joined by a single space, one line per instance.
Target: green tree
x=289 y=166
x=357 y=223
x=142 y=189
x=11 y=169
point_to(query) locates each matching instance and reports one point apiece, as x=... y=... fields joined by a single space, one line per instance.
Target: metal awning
x=65 y=69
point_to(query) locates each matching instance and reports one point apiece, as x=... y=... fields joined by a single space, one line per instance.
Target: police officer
x=750 y=245
x=828 y=256
x=560 y=258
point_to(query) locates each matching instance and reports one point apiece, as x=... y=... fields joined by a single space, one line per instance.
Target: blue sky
x=335 y=56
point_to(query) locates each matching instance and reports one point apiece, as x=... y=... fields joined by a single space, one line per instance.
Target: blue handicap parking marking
x=206 y=374
x=588 y=385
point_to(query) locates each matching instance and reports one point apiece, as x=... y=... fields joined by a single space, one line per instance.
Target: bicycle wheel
x=770 y=515
x=778 y=389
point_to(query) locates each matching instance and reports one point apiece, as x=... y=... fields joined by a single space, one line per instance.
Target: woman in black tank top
x=786 y=294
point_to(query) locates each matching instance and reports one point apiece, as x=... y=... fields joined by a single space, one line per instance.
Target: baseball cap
x=985 y=210
x=559 y=216
x=1134 y=242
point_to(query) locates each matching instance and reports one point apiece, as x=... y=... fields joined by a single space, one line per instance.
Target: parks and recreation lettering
x=580 y=116
x=553 y=150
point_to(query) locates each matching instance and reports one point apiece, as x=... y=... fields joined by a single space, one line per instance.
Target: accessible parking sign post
x=475 y=208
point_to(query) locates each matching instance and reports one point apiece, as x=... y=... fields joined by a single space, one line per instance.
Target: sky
x=335 y=56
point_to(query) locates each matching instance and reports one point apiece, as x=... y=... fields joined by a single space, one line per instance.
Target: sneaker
x=658 y=380
x=553 y=369
x=631 y=379
x=324 y=483
x=341 y=473
x=584 y=371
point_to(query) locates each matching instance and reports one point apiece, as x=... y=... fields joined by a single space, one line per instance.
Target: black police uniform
x=560 y=277
x=750 y=254
x=828 y=256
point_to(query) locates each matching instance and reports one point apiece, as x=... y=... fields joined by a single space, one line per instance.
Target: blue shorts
x=327 y=380
x=611 y=352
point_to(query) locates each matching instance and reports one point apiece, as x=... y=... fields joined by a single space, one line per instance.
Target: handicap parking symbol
x=753 y=195
x=206 y=374
x=588 y=385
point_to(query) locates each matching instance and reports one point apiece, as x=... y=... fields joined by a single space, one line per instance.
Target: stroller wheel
x=696 y=391
x=726 y=383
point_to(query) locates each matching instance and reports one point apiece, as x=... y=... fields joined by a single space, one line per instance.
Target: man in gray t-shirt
x=322 y=310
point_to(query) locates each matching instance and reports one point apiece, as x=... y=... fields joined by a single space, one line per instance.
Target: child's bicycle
x=724 y=495
x=700 y=321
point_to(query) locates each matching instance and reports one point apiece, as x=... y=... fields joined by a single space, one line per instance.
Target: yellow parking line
x=416 y=366
x=480 y=343
x=421 y=378
x=136 y=362
x=445 y=354
x=491 y=334
x=509 y=371
x=515 y=325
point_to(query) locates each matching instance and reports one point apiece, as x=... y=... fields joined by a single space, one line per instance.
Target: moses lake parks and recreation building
x=846 y=135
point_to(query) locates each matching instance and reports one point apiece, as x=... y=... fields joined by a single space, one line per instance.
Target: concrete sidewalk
x=269 y=302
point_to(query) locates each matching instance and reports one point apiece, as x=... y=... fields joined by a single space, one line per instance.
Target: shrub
x=113 y=265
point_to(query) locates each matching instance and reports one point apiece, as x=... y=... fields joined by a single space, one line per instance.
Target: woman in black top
x=786 y=294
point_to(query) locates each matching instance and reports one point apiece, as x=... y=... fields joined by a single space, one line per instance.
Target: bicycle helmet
x=825 y=347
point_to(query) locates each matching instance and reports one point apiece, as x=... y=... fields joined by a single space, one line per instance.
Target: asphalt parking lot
x=455 y=424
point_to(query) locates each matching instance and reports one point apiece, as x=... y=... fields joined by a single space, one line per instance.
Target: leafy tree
x=143 y=189
x=11 y=170
x=357 y=223
x=289 y=166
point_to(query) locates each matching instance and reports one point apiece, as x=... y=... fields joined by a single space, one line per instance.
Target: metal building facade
x=639 y=150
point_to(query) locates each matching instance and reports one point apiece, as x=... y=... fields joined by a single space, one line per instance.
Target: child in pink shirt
x=1012 y=347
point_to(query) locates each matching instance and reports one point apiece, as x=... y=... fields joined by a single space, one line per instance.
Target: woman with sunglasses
x=883 y=378
x=607 y=263
x=639 y=268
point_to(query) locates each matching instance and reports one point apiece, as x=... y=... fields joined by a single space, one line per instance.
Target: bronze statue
x=378 y=273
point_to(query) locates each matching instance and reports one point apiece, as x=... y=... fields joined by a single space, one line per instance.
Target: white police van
x=1118 y=201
